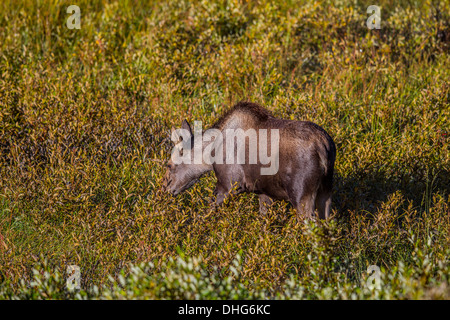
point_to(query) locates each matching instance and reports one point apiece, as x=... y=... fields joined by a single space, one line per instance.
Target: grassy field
x=85 y=118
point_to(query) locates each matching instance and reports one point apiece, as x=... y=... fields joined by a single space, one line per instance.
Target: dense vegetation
x=85 y=118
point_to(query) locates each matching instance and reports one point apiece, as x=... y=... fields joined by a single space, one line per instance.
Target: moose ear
x=185 y=125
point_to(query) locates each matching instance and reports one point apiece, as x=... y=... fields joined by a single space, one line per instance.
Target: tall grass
x=85 y=117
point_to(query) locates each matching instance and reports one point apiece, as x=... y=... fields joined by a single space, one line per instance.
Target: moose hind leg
x=306 y=207
x=323 y=204
x=304 y=204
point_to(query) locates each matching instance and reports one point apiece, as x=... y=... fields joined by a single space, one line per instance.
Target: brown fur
x=306 y=164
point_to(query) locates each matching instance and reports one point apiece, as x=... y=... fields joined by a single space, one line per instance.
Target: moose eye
x=170 y=166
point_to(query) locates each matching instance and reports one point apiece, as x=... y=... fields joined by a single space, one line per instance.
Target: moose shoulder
x=252 y=151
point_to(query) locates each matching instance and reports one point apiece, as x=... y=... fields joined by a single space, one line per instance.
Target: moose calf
x=299 y=168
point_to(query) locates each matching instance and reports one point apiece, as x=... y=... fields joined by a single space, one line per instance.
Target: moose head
x=182 y=171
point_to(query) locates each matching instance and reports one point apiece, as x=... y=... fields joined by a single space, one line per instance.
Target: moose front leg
x=228 y=183
x=220 y=197
x=216 y=200
x=224 y=190
x=264 y=203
